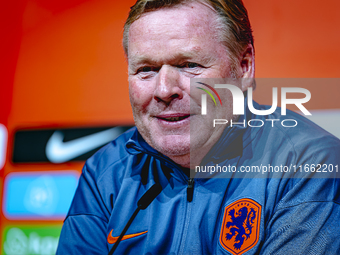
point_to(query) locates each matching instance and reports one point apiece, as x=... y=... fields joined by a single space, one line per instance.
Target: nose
x=168 y=85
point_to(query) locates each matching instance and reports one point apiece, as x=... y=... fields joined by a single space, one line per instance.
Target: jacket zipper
x=190 y=189
x=190 y=194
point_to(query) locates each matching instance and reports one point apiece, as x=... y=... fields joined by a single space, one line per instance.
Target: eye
x=190 y=65
x=191 y=68
x=145 y=69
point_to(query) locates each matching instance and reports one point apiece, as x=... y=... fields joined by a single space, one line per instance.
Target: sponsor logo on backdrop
x=30 y=240
x=45 y=195
x=58 y=151
x=3 y=145
x=61 y=145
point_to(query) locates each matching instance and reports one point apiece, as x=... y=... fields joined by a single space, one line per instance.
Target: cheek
x=140 y=95
x=225 y=111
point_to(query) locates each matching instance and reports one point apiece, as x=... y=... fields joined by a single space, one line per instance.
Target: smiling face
x=167 y=48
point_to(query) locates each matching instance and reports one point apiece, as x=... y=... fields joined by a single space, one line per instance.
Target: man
x=168 y=44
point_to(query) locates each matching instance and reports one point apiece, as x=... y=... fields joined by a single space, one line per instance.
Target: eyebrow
x=184 y=55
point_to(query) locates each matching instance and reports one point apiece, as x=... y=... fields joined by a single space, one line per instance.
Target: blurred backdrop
x=64 y=94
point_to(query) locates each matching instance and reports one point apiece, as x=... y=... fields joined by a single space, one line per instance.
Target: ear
x=247 y=64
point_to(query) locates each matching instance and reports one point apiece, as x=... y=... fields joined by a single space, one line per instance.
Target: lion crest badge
x=241 y=226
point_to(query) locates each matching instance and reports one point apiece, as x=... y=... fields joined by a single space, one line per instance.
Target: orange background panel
x=71 y=67
x=295 y=38
x=62 y=63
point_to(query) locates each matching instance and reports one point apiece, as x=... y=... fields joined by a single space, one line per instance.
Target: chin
x=173 y=145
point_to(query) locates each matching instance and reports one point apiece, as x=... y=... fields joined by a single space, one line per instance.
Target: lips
x=173 y=117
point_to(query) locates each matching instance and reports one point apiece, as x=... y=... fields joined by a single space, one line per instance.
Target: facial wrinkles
x=188 y=54
x=184 y=106
x=154 y=108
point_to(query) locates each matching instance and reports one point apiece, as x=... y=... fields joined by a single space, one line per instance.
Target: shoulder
x=114 y=154
x=101 y=179
x=298 y=143
x=309 y=137
x=303 y=135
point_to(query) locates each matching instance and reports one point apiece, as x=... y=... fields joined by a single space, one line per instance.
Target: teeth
x=175 y=118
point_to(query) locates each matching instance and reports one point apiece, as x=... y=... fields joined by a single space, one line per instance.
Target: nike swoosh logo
x=58 y=151
x=112 y=240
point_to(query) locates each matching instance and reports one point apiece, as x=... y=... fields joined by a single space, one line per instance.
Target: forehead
x=191 y=15
x=189 y=23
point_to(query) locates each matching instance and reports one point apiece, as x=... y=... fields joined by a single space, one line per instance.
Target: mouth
x=173 y=118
